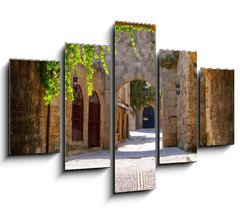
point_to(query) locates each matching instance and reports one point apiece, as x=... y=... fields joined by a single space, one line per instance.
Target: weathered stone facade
x=178 y=112
x=101 y=86
x=28 y=112
x=123 y=114
x=203 y=134
x=168 y=80
x=128 y=66
x=217 y=107
x=187 y=101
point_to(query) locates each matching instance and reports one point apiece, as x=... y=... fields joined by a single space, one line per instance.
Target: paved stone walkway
x=90 y=160
x=135 y=162
x=140 y=146
x=175 y=155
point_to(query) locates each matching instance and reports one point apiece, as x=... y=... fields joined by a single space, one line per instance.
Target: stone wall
x=28 y=112
x=168 y=80
x=219 y=91
x=187 y=101
x=128 y=66
x=101 y=85
x=123 y=115
x=178 y=112
x=132 y=122
x=203 y=134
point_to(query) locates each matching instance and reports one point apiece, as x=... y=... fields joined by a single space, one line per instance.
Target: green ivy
x=50 y=78
x=88 y=53
x=131 y=28
x=170 y=60
x=102 y=57
x=85 y=55
x=72 y=58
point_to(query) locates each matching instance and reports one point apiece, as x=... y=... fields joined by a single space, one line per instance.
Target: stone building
x=34 y=126
x=87 y=118
x=123 y=114
x=178 y=102
x=216 y=107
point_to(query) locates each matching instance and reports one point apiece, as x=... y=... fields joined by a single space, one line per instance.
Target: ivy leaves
x=131 y=28
x=88 y=54
x=85 y=55
x=74 y=55
x=133 y=44
x=170 y=60
x=50 y=78
x=72 y=58
x=142 y=94
x=102 y=57
x=127 y=27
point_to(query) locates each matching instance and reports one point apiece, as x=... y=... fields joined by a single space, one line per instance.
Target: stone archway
x=128 y=66
x=94 y=121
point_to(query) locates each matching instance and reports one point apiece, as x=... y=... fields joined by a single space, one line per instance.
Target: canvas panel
x=178 y=106
x=135 y=107
x=34 y=107
x=216 y=107
x=87 y=113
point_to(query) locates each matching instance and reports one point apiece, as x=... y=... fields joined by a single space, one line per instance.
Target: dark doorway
x=127 y=127
x=77 y=114
x=148 y=117
x=94 y=121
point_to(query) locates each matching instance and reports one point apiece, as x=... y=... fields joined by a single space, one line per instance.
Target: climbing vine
x=85 y=55
x=131 y=28
x=102 y=56
x=170 y=60
x=72 y=58
x=50 y=78
x=142 y=94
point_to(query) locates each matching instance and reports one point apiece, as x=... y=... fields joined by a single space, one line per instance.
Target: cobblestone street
x=96 y=159
x=174 y=155
x=135 y=162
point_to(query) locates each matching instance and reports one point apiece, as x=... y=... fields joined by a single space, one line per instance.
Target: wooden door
x=148 y=117
x=77 y=114
x=94 y=121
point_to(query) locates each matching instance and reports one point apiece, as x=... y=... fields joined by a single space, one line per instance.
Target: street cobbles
x=97 y=159
x=135 y=162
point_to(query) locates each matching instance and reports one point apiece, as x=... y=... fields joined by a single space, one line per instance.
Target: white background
x=36 y=185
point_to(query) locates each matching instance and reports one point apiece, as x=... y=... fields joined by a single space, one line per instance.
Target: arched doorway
x=148 y=117
x=77 y=114
x=94 y=121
